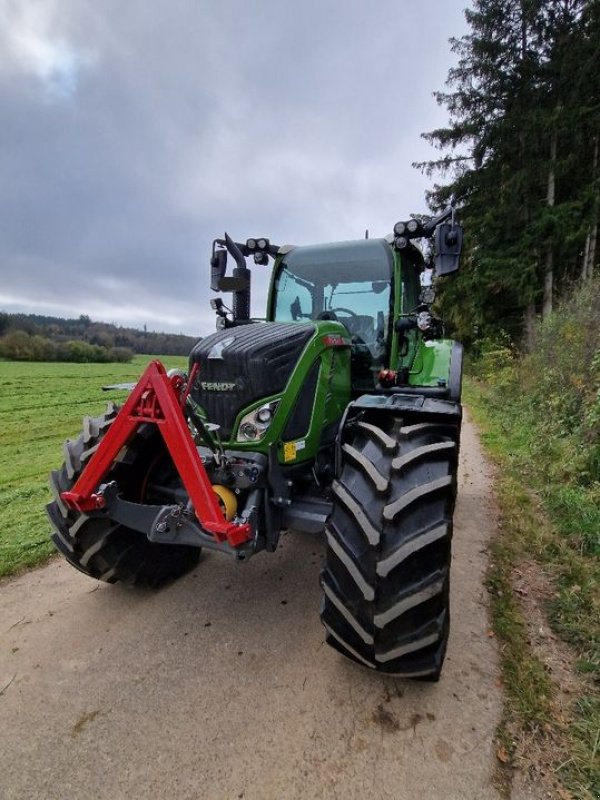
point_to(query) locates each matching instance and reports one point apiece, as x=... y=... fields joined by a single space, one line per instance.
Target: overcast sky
x=132 y=133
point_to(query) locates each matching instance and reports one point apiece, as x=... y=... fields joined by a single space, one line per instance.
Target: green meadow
x=41 y=405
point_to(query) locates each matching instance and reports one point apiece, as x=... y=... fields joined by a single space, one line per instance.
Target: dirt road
x=220 y=686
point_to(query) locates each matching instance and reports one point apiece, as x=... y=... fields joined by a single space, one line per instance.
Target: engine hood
x=241 y=365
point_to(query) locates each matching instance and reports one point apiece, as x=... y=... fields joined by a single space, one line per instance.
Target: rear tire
x=387 y=571
x=98 y=546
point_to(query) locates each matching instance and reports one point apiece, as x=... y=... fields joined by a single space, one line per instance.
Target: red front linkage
x=155 y=400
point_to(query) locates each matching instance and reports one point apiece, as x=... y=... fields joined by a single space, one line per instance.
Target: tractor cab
x=346 y=282
x=369 y=288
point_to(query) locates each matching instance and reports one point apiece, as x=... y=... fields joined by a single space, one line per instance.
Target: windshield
x=349 y=282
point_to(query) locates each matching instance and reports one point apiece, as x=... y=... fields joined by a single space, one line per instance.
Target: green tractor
x=339 y=413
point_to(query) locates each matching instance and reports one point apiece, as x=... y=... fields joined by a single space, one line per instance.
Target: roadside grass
x=41 y=405
x=550 y=518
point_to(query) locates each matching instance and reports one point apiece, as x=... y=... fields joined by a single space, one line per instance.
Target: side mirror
x=218 y=265
x=447 y=248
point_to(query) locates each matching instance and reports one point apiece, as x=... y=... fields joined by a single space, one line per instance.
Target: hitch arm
x=155 y=401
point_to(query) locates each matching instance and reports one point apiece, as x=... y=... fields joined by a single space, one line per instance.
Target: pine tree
x=520 y=164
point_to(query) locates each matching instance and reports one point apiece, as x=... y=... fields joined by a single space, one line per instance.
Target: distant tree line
x=32 y=337
x=521 y=157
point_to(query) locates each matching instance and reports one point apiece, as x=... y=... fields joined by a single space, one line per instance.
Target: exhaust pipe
x=241 y=297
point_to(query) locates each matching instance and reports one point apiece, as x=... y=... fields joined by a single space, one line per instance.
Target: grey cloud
x=179 y=120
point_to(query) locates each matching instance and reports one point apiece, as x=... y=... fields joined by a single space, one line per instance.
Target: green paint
x=431 y=364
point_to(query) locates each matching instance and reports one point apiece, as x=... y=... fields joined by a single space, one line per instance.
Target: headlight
x=427 y=295
x=424 y=321
x=264 y=415
x=254 y=425
x=248 y=431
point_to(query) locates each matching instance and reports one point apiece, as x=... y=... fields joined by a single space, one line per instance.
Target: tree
x=519 y=162
x=16 y=346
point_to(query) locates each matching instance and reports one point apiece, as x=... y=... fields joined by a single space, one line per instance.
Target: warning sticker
x=289 y=451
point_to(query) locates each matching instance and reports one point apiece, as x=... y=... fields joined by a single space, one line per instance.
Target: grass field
x=538 y=528
x=42 y=405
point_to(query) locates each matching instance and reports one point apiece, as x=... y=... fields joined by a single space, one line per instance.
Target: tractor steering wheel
x=341 y=308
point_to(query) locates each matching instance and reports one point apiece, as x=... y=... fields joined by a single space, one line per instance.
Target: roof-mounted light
x=258 y=244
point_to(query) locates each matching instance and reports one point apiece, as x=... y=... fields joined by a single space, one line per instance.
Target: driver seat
x=362 y=326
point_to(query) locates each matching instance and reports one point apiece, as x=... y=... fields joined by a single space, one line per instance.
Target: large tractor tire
x=101 y=547
x=387 y=571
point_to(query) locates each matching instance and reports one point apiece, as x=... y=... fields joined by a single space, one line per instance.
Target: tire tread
x=387 y=569
x=97 y=546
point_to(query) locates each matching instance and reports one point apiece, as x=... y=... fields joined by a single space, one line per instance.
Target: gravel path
x=220 y=685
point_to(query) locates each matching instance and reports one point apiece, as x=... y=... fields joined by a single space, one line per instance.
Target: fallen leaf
x=502 y=754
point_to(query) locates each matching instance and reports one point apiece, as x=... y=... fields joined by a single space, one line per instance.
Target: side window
x=410 y=288
x=294 y=300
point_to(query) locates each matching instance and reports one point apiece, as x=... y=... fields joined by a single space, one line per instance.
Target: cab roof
x=333 y=259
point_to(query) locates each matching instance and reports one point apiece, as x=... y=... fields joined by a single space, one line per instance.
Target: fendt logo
x=217 y=386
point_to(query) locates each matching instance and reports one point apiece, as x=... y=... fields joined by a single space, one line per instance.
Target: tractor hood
x=240 y=365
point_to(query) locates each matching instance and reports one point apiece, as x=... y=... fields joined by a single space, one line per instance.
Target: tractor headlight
x=413 y=225
x=254 y=425
x=427 y=295
x=264 y=415
x=262 y=244
x=400 y=228
x=248 y=432
x=424 y=321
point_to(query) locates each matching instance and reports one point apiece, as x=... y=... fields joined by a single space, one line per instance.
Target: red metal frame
x=157 y=399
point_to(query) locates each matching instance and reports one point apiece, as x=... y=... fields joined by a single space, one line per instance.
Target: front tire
x=99 y=546
x=387 y=571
